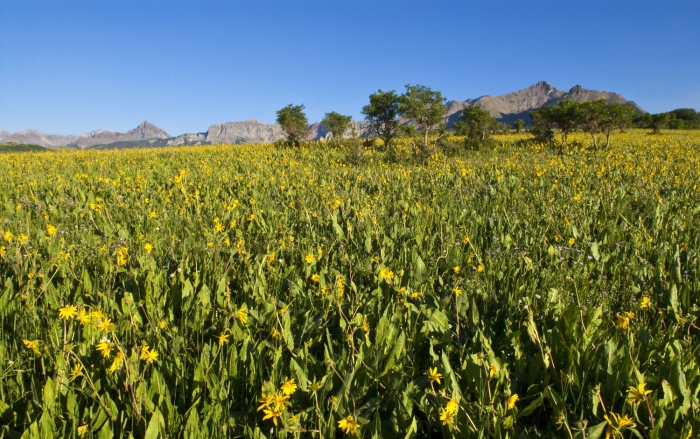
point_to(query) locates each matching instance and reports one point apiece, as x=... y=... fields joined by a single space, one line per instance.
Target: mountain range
x=505 y=108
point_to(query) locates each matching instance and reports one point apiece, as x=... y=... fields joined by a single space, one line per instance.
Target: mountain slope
x=505 y=108
x=144 y=131
x=517 y=105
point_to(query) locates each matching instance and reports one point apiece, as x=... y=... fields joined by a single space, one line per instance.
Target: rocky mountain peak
x=147 y=130
x=543 y=86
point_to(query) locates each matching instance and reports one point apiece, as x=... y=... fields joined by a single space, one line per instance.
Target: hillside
x=20 y=147
x=505 y=108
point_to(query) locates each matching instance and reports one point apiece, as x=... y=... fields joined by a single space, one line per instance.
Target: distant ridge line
x=505 y=108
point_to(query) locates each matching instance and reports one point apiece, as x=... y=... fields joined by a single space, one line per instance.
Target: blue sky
x=68 y=67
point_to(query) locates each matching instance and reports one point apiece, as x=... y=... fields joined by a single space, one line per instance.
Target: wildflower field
x=266 y=292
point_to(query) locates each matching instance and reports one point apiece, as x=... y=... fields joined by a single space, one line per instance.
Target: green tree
x=659 y=122
x=382 y=113
x=294 y=123
x=686 y=114
x=542 y=125
x=518 y=125
x=406 y=131
x=336 y=123
x=566 y=115
x=477 y=123
x=424 y=106
x=617 y=116
x=592 y=115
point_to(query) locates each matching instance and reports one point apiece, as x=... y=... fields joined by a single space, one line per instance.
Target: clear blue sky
x=68 y=67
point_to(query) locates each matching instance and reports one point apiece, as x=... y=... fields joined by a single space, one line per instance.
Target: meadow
x=267 y=292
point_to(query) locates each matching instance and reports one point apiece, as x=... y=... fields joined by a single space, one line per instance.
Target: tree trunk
x=595 y=141
x=607 y=140
x=563 y=142
x=425 y=141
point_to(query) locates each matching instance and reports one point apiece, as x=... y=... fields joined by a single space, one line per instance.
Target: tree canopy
x=476 y=123
x=383 y=113
x=294 y=123
x=424 y=106
x=592 y=117
x=336 y=123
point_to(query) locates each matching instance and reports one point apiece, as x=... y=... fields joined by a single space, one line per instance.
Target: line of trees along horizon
x=421 y=109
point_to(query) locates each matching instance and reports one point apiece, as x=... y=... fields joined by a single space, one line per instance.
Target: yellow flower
x=32 y=346
x=50 y=230
x=622 y=321
x=457 y=290
x=117 y=363
x=82 y=317
x=572 y=241
x=690 y=433
x=242 y=314
x=451 y=406
x=630 y=315
x=294 y=419
x=148 y=355
x=3 y=252
x=153 y=214
x=617 y=422
x=645 y=303
x=67 y=312
x=8 y=236
x=273 y=413
x=148 y=247
x=105 y=347
x=288 y=388
x=97 y=315
x=492 y=371
x=77 y=371
x=365 y=326
x=83 y=430
x=267 y=400
x=309 y=259
x=218 y=227
x=434 y=375
x=480 y=268
x=162 y=324
x=447 y=416
x=637 y=394
x=510 y=403
x=210 y=244
x=349 y=425
x=457 y=269
x=106 y=325
x=223 y=339
x=386 y=274
x=315 y=277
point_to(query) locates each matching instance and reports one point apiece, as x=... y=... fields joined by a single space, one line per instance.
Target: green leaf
x=301 y=376
x=531 y=407
x=49 y=395
x=596 y=431
x=105 y=432
x=288 y=336
x=420 y=271
x=395 y=352
x=155 y=426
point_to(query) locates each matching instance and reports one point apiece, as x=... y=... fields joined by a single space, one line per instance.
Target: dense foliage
x=256 y=291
